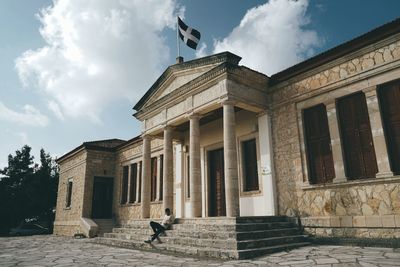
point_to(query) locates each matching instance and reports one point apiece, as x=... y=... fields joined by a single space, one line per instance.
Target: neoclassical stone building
x=319 y=141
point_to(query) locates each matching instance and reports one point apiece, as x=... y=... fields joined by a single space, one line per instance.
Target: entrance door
x=216 y=183
x=356 y=134
x=102 y=198
x=390 y=106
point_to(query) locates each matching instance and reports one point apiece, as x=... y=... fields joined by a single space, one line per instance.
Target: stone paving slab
x=58 y=251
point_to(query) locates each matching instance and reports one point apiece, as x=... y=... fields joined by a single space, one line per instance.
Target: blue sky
x=71 y=71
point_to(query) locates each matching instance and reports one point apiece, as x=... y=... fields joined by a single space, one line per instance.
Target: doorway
x=216 y=183
x=102 y=198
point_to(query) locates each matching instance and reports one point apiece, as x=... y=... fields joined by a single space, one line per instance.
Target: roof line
x=92 y=145
x=363 y=40
x=184 y=65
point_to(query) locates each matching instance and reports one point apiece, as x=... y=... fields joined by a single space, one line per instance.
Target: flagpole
x=177 y=38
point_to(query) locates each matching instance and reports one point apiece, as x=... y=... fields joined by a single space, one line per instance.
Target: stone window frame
x=139 y=170
x=330 y=98
x=239 y=141
x=69 y=191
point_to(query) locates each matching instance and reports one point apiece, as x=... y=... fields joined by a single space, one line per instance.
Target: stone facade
x=67 y=219
x=363 y=208
x=212 y=103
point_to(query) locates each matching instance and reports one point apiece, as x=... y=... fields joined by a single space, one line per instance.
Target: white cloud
x=272 y=36
x=28 y=116
x=97 y=51
x=202 y=51
x=55 y=108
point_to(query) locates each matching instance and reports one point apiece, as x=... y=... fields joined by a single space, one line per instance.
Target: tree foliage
x=27 y=190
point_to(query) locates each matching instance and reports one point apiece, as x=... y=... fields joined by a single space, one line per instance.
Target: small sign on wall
x=265 y=170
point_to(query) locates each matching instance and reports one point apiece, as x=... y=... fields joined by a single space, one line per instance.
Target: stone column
x=168 y=182
x=195 y=173
x=230 y=161
x=335 y=143
x=378 y=135
x=146 y=173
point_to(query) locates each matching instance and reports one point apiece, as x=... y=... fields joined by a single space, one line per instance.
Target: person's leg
x=157 y=229
x=160 y=229
x=154 y=226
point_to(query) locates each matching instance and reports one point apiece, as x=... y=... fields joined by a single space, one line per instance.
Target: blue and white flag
x=189 y=36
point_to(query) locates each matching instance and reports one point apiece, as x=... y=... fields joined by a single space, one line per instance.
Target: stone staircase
x=225 y=238
x=104 y=226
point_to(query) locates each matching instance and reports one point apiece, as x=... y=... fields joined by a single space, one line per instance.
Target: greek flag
x=189 y=36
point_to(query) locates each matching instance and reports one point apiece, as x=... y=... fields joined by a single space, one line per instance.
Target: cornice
x=296 y=77
x=224 y=57
x=185 y=89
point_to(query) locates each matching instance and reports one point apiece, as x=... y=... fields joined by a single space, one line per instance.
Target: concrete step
x=243 y=226
x=213 y=234
x=249 y=227
x=228 y=238
x=104 y=226
x=271 y=241
x=264 y=219
x=267 y=233
x=201 y=252
x=251 y=253
x=229 y=243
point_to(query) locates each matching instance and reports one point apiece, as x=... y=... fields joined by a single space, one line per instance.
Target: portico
x=188 y=99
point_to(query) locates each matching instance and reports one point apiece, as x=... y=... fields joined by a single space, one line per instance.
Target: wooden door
x=389 y=95
x=356 y=136
x=318 y=145
x=216 y=184
x=102 y=198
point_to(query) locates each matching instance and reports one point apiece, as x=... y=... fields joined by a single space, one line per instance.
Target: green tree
x=27 y=190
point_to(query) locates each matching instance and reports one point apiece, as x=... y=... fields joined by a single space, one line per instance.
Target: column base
x=384 y=174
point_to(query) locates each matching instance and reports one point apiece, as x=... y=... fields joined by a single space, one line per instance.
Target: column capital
x=228 y=102
x=370 y=91
x=262 y=113
x=193 y=115
x=146 y=136
x=330 y=104
x=168 y=128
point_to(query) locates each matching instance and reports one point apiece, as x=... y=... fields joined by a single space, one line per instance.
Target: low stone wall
x=67 y=228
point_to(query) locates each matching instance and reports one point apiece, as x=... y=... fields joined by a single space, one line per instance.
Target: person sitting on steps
x=166 y=223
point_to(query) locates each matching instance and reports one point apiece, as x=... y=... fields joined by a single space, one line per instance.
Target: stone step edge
x=131 y=244
x=227 y=240
x=218 y=238
x=227 y=232
x=272 y=238
x=270 y=224
x=256 y=252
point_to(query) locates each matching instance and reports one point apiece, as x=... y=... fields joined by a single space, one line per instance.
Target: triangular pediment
x=178 y=75
x=176 y=80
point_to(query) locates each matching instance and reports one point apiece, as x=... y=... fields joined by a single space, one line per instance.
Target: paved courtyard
x=63 y=251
